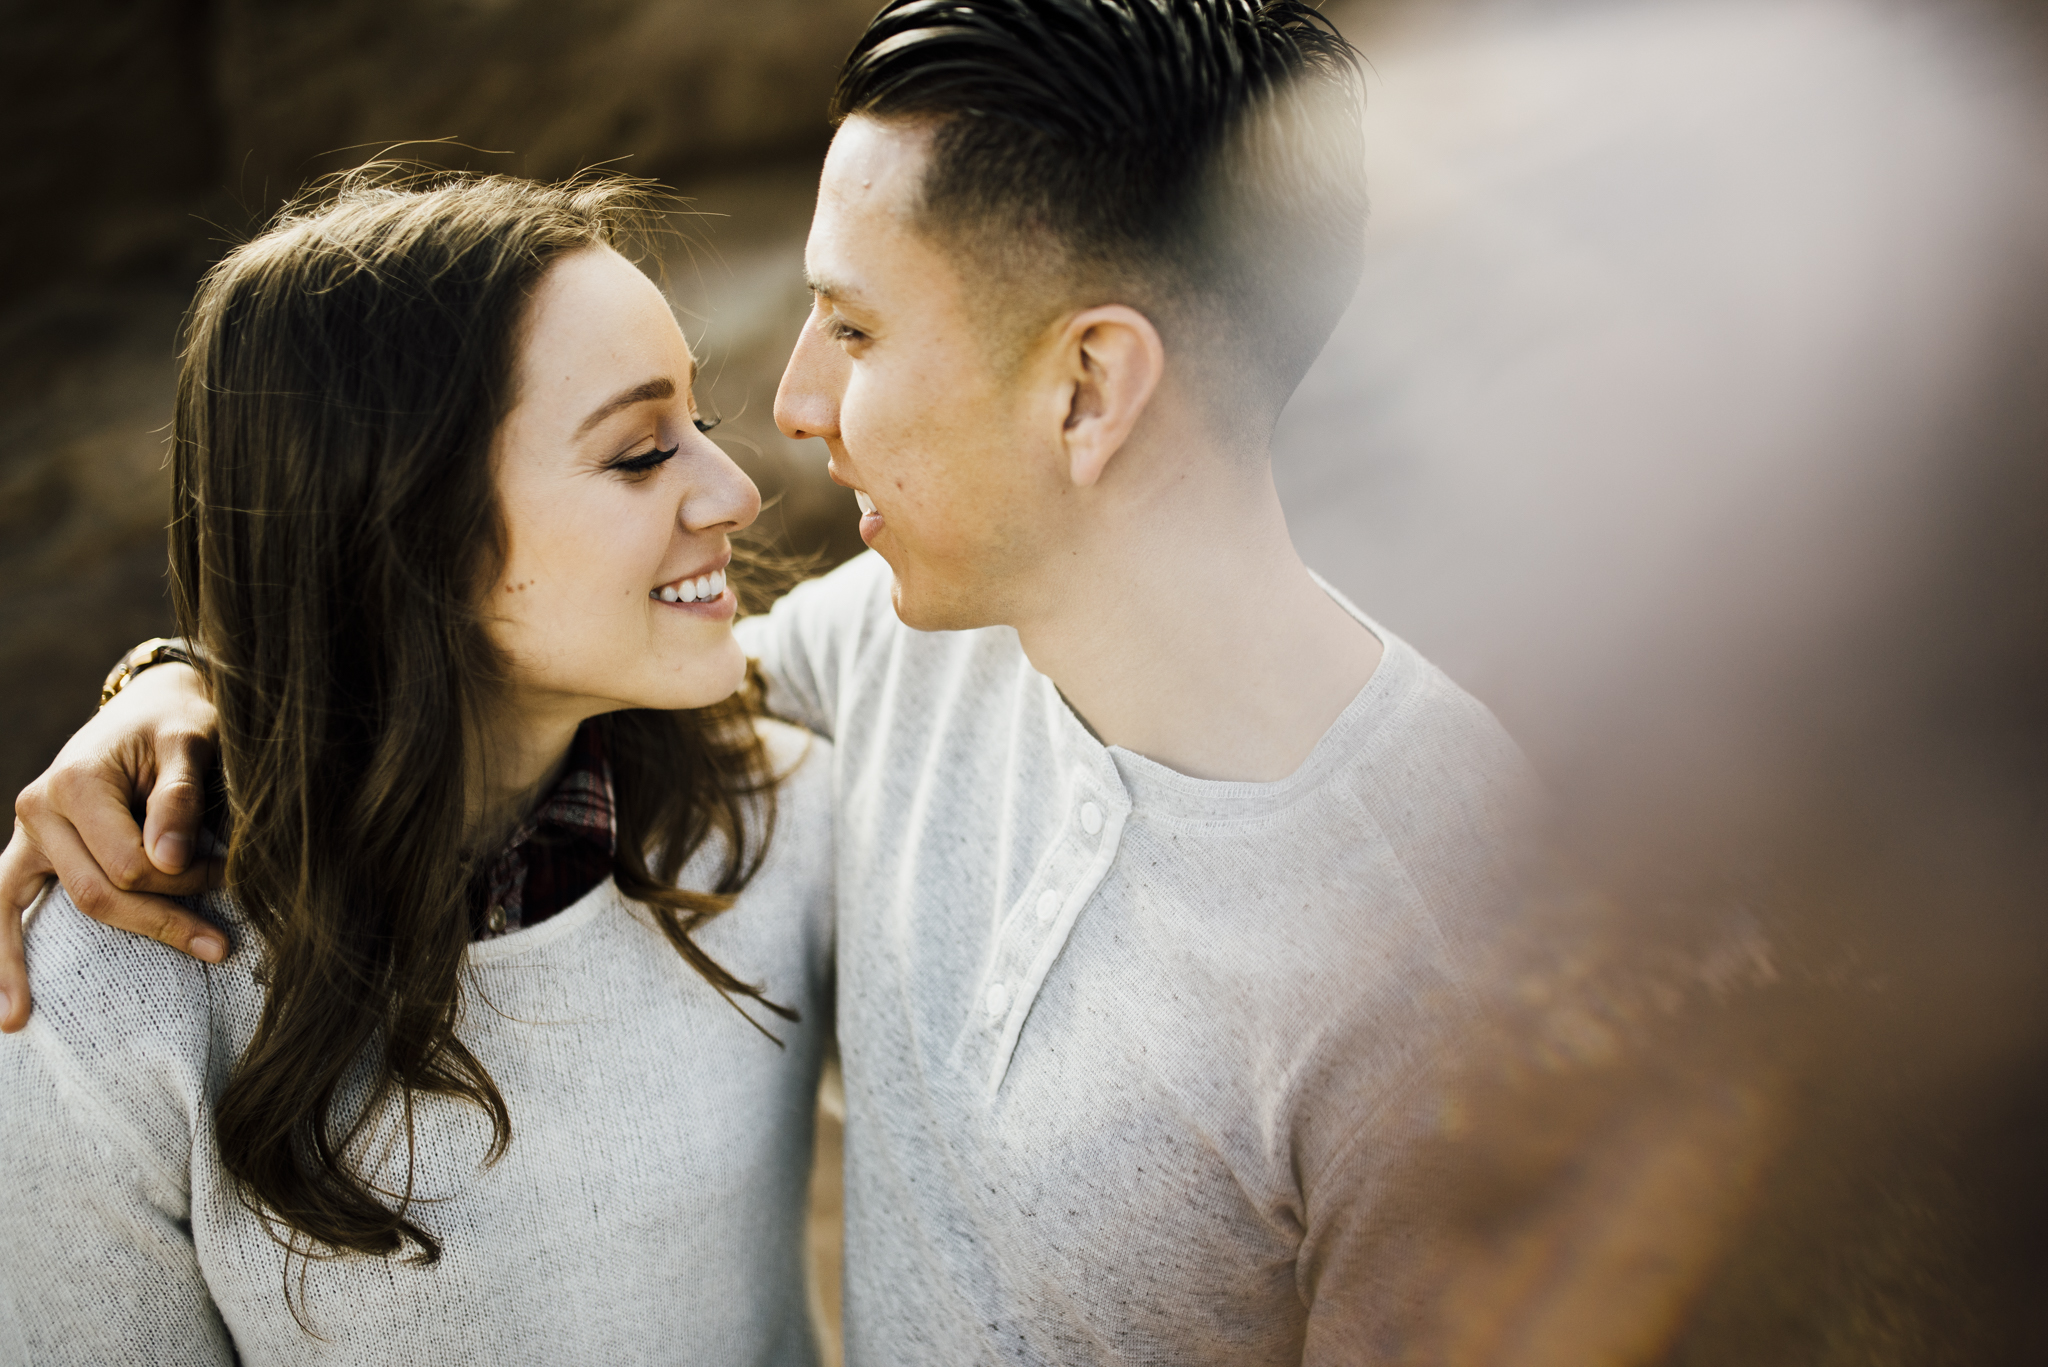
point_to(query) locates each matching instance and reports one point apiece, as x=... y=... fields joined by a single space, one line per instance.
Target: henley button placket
x=1030 y=943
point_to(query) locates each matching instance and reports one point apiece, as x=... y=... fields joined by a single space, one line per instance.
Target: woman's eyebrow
x=647 y=391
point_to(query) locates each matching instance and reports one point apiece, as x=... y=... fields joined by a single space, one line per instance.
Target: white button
x=998 y=999
x=1091 y=817
x=1048 y=905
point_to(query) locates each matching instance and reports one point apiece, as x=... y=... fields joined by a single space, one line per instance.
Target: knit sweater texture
x=650 y=1208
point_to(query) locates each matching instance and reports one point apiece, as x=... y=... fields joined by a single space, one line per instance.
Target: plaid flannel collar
x=563 y=848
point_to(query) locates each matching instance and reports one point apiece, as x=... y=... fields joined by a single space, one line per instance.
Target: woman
x=484 y=1079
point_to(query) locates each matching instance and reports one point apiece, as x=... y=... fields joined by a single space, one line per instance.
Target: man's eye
x=839 y=330
x=704 y=425
x=641 y=464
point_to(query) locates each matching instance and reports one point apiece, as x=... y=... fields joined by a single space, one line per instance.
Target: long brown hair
x=333 y=522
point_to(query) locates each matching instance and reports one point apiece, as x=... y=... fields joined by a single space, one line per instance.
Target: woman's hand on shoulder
x=154 y=741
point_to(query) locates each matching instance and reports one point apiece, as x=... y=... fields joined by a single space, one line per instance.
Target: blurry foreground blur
x=1693 y=413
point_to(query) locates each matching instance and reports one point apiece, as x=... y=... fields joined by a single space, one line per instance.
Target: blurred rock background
x=151 y=134
x=1693 y=412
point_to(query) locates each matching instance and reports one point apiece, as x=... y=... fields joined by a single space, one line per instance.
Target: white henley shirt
x=1123 y=1049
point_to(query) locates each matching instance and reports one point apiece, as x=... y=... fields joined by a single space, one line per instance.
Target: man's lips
x=870 y=517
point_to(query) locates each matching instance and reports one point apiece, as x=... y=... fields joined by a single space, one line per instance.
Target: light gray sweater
x=650 y=1208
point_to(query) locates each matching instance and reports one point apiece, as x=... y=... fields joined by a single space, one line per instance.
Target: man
x=1160 y=868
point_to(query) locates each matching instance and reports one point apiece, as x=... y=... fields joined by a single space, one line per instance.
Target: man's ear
x=1113 y=360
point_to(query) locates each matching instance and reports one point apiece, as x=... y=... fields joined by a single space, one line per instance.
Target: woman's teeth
x=702 y=589
x=867 y=505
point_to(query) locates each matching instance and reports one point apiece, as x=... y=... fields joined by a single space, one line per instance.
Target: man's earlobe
x=1116 y=360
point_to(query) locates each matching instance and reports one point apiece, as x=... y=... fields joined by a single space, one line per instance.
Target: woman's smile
x=703 y=593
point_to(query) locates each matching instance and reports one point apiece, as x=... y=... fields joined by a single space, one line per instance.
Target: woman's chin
x=709 y=676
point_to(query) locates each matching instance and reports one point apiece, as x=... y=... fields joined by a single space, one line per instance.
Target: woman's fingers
x=23 y=872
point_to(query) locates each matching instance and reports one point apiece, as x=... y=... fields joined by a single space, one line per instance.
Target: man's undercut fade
x=1200 y=160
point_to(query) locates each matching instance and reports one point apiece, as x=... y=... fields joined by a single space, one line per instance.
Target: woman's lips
x=870 y=520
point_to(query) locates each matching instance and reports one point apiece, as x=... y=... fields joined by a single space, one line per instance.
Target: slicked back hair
x=1200 y=160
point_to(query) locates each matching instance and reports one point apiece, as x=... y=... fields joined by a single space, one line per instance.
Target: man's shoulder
x=1417 y=821
x=850 y=600
x=1428 y=734
x=1414 y=733
x=802 y=764
x=1449 y=792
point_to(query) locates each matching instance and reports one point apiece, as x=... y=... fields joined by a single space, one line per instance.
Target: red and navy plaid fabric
x=562 y=850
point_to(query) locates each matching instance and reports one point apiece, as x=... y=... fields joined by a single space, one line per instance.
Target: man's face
x=955 y=457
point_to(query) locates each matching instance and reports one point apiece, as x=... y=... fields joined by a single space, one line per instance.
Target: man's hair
x=1201 y=160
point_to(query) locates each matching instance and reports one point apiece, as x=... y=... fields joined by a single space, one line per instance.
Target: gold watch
x=154 y=651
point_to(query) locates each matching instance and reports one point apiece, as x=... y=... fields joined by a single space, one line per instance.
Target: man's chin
x=924 y=605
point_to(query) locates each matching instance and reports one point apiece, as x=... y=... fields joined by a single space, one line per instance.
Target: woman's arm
x=97 y=1263
x=154 y=740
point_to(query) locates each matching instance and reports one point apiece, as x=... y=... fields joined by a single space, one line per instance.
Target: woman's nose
x=807 y=400
x=721 y=496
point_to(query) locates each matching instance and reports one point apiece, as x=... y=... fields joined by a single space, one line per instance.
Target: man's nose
x=807 y=400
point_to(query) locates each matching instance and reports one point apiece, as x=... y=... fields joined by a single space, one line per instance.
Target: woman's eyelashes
x=648 y=460
x=644 y=462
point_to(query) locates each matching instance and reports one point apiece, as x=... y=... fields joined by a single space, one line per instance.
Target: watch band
x=154 y=651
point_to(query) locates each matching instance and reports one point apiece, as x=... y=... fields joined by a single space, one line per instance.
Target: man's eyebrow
x=647 y=391
x=826 y=288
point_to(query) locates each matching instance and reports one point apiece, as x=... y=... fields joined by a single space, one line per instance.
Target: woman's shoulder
x=93 y=982
x=123 y=1022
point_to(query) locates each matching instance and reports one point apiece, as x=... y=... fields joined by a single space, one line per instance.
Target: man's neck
x=1198 y=638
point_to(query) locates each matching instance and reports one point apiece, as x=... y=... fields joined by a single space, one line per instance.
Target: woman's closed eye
x=644 y=462
x=648 y=460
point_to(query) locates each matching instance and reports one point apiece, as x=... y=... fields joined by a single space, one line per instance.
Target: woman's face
x=617 y=508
